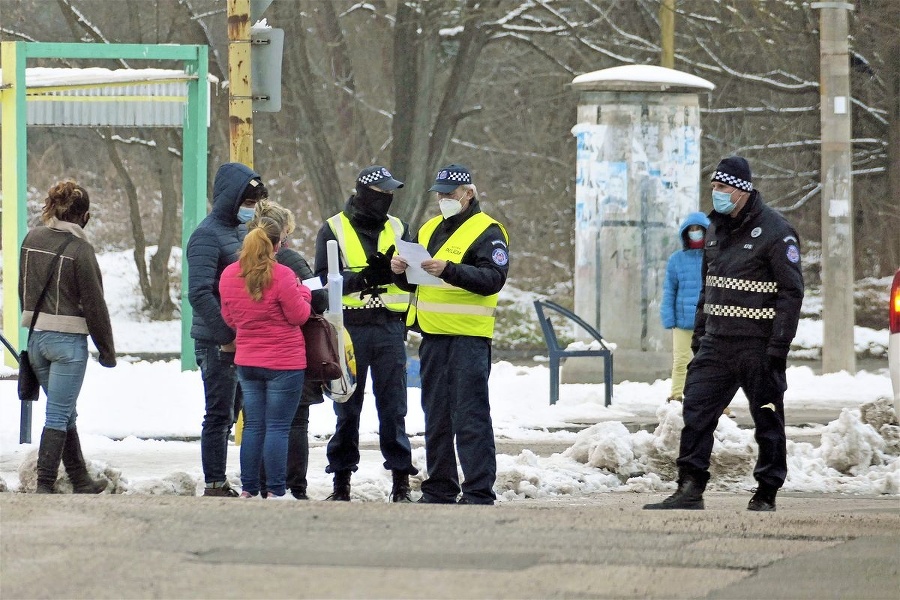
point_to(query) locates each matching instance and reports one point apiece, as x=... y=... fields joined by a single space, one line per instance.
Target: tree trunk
x=415 y=51
x=318 y=157
x=349 y=123
x=161 y=305
x=134 y=214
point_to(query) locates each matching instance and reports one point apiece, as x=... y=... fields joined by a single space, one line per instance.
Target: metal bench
x=557 y=352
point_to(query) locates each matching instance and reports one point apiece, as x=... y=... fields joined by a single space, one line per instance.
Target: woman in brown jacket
x=72 y=308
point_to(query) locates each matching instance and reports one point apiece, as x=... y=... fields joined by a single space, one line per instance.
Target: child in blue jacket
x=681 y=291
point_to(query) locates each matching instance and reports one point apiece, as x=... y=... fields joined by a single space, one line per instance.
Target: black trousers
x=455 y=400
x=720 y=367
x=380 y=350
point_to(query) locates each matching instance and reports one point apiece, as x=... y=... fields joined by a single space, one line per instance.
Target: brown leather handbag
x=323 y=363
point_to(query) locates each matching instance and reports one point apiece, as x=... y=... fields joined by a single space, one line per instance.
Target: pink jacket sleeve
x=294 y=298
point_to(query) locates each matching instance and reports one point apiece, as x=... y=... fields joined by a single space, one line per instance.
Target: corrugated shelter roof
x=106 y=97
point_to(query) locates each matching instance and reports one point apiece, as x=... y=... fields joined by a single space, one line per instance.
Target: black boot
x=688 y=496
x=400 y=490
x=341 y=491
x=49 y=454
x=764 y=498
x=73 y=459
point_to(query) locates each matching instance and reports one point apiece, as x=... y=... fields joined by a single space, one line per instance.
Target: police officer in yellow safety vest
x=471 y=257
x=374 y=310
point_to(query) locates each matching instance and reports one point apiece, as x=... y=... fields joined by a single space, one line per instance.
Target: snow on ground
x=140 y=422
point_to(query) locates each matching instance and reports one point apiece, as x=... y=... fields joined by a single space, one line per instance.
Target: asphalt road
x=595 y=546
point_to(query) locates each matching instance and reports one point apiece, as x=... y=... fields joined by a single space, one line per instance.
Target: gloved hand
x=777 y=364
x=381 y=261
x=378 y=271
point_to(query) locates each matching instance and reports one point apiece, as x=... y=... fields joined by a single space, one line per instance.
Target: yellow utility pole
x=240 y=97
x=667 y=33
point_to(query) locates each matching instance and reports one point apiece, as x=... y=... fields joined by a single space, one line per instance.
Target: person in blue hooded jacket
x=215 y=244
x=681 y=291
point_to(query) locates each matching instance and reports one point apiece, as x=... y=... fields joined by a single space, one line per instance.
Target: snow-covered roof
x=640 y=78
x=97 y=96
x=39 y=77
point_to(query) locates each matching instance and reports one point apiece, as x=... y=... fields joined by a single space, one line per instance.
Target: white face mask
x=450 y=207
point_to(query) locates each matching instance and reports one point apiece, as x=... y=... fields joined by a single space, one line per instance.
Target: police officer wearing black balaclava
x=747 y=316
x=374 y=311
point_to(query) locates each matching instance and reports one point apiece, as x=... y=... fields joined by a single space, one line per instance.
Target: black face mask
x=371 y=206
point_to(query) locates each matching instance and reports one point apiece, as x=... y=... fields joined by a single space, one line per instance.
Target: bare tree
x=414 y=84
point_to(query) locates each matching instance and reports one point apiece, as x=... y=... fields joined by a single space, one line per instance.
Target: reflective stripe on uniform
x=744 y=285
x=458 y=309
x=354 y=258
x=449 y=310
x=739 y=311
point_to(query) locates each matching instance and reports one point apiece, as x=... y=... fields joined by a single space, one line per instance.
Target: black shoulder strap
x=40 y=300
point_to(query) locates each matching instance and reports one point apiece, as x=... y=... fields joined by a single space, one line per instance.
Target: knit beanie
x=734 y=171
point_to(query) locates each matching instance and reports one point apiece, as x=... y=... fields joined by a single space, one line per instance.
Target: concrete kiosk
x=638 y=176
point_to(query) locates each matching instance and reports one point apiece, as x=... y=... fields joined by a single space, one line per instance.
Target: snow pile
x=853 y=457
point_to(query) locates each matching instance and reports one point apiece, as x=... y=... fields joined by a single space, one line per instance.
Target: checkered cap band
x=457 y=177
x=375 y=177
x=739 y=311
x=743 y=285
x=733 y=181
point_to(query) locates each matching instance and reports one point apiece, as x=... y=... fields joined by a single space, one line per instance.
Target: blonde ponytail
x=257 y=258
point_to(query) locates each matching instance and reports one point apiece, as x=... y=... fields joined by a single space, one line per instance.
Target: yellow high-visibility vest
x=446 y=309
x=394 y=299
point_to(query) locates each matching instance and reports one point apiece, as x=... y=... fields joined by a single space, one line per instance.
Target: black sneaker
x=221 y=491
x=299 y=494
x=431 y=500
x=763 y=500
x=467 y=501
x=341 y=489
x=400 y=491
x=339 y=496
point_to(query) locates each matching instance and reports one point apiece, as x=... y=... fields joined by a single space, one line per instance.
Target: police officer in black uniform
x=470 y=255
x=746 y=318
x=374 y=312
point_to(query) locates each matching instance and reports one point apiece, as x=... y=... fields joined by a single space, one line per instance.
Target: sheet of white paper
x=313 y=283
x=414 y=254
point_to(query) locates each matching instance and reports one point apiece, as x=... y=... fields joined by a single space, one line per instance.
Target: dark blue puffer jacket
x=215 y=244
x=681 y=289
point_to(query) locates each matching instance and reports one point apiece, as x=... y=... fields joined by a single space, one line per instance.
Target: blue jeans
x=222 y=398
x=59 y=360
x=271 y=399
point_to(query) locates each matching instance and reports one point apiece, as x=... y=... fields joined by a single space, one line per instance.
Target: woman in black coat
x=298 y=438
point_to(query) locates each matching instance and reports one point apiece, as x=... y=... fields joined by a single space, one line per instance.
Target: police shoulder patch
x=793 y=253
x=500 y=257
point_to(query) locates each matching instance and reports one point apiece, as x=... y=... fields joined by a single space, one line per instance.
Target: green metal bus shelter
x=92 y=97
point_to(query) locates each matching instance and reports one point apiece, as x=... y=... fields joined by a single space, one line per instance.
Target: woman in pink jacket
x=265 y=303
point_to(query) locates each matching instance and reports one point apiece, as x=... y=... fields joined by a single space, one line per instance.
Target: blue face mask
x=245 y=214
x=722 y=202
x=695 y=236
